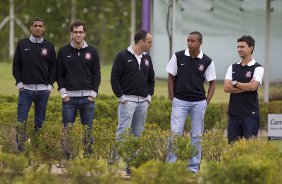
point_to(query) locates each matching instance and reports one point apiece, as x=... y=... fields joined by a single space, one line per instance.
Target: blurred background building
x=221 y=22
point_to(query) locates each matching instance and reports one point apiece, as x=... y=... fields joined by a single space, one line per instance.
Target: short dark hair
x=249 y=40
x=37 y=19
x=198 y=34
x=78 y=23
x=140 y=35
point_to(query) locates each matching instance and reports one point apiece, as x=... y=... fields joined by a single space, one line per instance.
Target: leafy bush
x=159 y=112
x=213 y=144
x=41 y=176
x=242 y=162
x=216 y=116
x=253 y=161
x=13 y=164
x=91 y=171
x=184 y=148
x=104 y=138
x=49 y=144
x=71 y=140
x=249 y=147
x=275 y=96
x=151 y=145
x=155 y=172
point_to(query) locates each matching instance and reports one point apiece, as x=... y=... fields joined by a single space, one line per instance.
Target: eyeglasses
x=37 y=26
x=78 y=32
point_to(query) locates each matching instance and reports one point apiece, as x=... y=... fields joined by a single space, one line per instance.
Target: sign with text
x=275 y=126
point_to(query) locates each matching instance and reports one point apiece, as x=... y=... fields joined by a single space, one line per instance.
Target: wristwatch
x=63 y=95
x=234 y=83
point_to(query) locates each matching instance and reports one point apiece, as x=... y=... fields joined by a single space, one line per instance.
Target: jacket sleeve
x=17 y=64
x=116 y=74
x=52 y=66
x=61 y=73
x=96 y=74
x=151 y=79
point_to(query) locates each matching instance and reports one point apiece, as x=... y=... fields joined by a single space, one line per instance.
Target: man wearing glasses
x=78 y=78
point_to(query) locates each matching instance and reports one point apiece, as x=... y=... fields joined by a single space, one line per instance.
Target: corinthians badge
x=44 y=51
x=88 y=56
x=146 y=62
x=248 y=74
x=201 y=67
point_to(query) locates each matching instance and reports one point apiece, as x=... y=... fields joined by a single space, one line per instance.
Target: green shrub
x=12 y=163
x=8 y=137
x=41 y=176
x=104 y=138
x=184 y=148
x=91 y=171
x=151 y=145
x=213 y=144
x=71 y=140
x=159 y=112
x=245 y=169
x=216 y=116
x=245 y=162
x=249 y=147
x=106 y=107
x=45 y=145
x=155 y=172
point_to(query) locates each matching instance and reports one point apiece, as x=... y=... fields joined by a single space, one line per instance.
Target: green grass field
x=8 y=85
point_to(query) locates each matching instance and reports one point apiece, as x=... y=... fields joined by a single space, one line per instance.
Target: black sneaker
x=127 y=171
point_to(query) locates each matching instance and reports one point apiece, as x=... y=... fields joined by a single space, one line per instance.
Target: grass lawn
x=8 y=85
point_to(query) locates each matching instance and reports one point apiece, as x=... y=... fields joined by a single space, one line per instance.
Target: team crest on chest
x=146 y=62
x=44 y=51
x=88 y=56
x=248 y=74
x=201 y=67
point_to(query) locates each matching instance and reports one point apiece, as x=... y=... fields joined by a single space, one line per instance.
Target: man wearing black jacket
x=132 y=81
x=78 y=78
x=34 y=68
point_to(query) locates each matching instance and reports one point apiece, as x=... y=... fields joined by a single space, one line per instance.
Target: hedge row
x=253 y=161
x=159 y=111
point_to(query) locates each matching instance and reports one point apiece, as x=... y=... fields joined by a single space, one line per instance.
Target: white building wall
x=221 y=22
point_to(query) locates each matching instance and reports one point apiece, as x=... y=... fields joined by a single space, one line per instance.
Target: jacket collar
x=35 y=39
x=83 y=46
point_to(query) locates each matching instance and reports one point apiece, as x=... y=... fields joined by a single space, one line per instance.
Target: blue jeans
x=239 y=127
x=86 y=111
x=180 y=110
x=131 y=115
x=39 y=98
x=85 y=108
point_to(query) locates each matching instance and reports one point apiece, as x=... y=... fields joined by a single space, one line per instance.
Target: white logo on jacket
x=146 y=62
x=44 y=51
x=248 y=74
x=201 y=67
x=88 y=56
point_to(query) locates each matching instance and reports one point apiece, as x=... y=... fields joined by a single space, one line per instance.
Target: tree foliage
x=108 y=23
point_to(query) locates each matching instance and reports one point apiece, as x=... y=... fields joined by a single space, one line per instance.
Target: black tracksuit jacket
x=127 y=78
x=78 y=69
x=34 y=63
